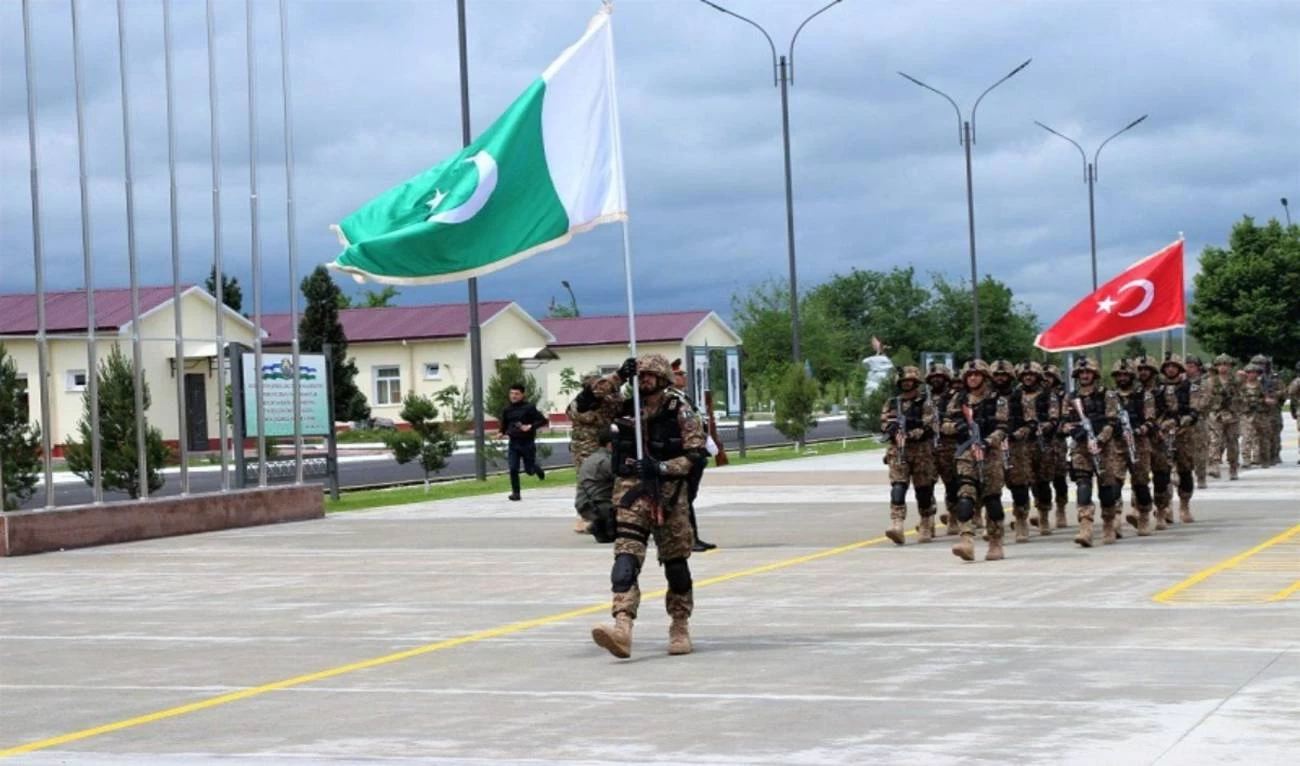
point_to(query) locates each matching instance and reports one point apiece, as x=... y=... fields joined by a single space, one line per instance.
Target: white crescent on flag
x=1149 y=295
x=487 y=183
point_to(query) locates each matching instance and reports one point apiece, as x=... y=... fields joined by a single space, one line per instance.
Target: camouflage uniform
x=1140 y=406
x=1270 y=441
x=1293 y=393
x=1161 y=465
x=1060 y=461
x=1223 y=407
x=594 y=408
x=979 y=466
x=1015 y=452
x=945 y=461
x=1100 y=412
x=1178 y=415
x=1200 y=431
x=914 y=462
x=674 y=437
x=1255 y=418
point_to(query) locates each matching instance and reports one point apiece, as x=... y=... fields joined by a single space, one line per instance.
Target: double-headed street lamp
x=572 y=300
x=1286 y=210
x=783 y=76
x=1090 y=177
x=966 y=137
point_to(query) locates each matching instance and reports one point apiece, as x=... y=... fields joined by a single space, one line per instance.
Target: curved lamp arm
x=1107 y=141
x=955 y=108
x=975 y=108
x=800 y=29
x=755 y=25
x=1082 y=153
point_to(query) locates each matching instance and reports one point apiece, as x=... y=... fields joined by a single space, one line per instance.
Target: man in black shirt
x=519 y=422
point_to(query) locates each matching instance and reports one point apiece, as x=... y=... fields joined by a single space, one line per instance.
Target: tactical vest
x=984 y=412
x=662 y=432
x=1094 y=408
x=1177 y=398
x=1133 y=400
x=913 y=411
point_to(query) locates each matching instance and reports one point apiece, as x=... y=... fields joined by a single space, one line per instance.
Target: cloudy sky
x=878 y=171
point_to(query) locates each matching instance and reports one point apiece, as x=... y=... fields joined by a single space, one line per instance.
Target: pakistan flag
x=548 y=168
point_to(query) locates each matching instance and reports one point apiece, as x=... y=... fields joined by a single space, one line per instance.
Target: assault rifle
x=936 y=425
x=1127 y=422
x=1094 y=447
x=1171 y=442
x=900 y=430
x=975 y=443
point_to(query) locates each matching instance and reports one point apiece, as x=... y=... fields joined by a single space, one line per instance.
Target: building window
x=24 y=404
x=607 y=369
x=433 y=371
x=76 y=380
x=388 y=385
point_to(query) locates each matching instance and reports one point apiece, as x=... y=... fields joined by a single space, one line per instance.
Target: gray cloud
x=879 y=177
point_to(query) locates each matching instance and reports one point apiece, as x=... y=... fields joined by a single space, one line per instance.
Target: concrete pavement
x=458 y=632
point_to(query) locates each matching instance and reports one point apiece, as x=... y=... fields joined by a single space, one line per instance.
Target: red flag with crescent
x=1146 y=297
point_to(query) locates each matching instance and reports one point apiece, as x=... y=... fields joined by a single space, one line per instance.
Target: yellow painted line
x=388 y=659
x=1285 y=593
x=1164 y=596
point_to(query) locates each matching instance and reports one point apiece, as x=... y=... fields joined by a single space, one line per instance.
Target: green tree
x=426 y=442
x=1134 y=347
x=569 y=382
x=560 y=310
x=1007 y=326
x=381 y=299
x=117 y=433
x=458 y=405
x=891 y=306
x=509 y=372
x=320 y=325
x=1247 y=296
x=231 y=295
x=796 y=398
x=762 y=317
x=20 y=439
x=864 y=410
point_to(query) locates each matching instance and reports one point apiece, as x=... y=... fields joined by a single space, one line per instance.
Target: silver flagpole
x=220 y=317
x=38 y=265
x=137 y=354
x=293 y=242
x=182 y=434
x=475 y=333
x=92 y=356
x=256 y=252
x=627 y=243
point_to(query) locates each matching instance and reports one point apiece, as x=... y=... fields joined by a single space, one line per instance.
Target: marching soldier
x=1271 y=441
x=1223 y=403
x=1200 y=431
x=907 y=421
x=1055 y=388
x=977 y=418
x=650 y=499
x=1091 y=420
x=1255 y=418
x=1038 y=439
x=1130 y=451
x=1161 y=452
x=1293 y=393
x=945 y=462
x=1015 y=455
x=590 y=412
x=1178 y=417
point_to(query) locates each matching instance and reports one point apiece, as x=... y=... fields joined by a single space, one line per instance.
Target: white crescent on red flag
x=1146 y=297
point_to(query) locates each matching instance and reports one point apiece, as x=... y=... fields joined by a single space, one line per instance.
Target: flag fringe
x=1112 y=339
x=363 y=276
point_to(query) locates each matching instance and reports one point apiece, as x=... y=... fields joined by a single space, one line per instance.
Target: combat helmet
x=1146 y=362
x=1052 y=371
x=1176 y=361
x=1222 y=359
x=1194 y=359
x=1260 y=360
x=909 y=373
x=939 y=370
x=974 y=366
x=1085 y=363
x=1252 y=367
x=1029 y=368
x=655 y=364
x=1003 y=367
x=1123 y=367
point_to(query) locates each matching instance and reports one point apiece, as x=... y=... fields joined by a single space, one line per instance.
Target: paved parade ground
x=459 y=632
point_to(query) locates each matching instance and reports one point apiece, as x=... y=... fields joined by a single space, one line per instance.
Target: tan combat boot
x=1185 y=510
x=679 y=637
x=965 y=548
x=995 y=542
x=1108 y=534
x=616 y=638
x=1044 y=522
x=1061 y=520
x=1232 y=473
x=1143 y=522
x=1084 y=538
x=1213 y=470
x=1160 y=519
x=1021 y=524
x=897 y=514
x=925 y=532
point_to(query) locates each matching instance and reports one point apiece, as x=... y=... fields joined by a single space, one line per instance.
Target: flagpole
x=293 y=245
x=182 y=421
x=218 y=273
x=627 y=242
x=255 y=249
x=475 y=335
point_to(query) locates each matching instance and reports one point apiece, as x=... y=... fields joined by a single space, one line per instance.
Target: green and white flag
x=549 y=168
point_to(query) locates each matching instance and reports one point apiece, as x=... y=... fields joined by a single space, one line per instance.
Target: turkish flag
x=1147 y=297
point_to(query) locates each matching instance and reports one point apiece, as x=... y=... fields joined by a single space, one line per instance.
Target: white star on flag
x=1105 y=304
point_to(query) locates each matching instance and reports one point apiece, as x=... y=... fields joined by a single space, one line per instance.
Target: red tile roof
x=65 y=310
x=610 y=330
x=449 y=320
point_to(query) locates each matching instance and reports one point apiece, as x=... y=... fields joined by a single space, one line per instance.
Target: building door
x=196 y=411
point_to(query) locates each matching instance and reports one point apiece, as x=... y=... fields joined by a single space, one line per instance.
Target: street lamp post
x=966 y=137
x=1090 y=177
x=783 y=77
x=572 y=300
x=1286 y=210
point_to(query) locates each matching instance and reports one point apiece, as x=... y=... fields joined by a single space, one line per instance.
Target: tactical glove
x=628 y=370
x=585 y=400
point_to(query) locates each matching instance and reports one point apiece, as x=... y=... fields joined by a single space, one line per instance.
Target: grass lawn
x=446 y=490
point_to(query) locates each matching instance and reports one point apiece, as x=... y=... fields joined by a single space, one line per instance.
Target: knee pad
x=624 y=574
x=965 y=509
x=950 y=492
x=1161 y=481
x=1061 y=485
x=1110 y=496
x=1143 y=493
x=1185 y=482
x=993 y=507
x=897 y=493
x=1020 y=495
x=925 y=497
x=1083 y=492
x=1043 y=492
x=678 y=573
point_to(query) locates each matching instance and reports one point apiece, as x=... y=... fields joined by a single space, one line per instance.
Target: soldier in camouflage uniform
x=1270 y=442
x=910 y=455
x=650 y=498
x=1255 y=418
x=979 y=466
x=1223 y=405
x=1130 y=449
x=1055 y=388
x=1090 y=420
x=593 y=409
x=1178 y=416
x=1293 y=393
x=1014 y=452
x=1037 y=438
x=1161 y=464
x=1200 y=431
x=942 y=390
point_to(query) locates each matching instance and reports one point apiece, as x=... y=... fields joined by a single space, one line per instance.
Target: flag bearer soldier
x=907 y=421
